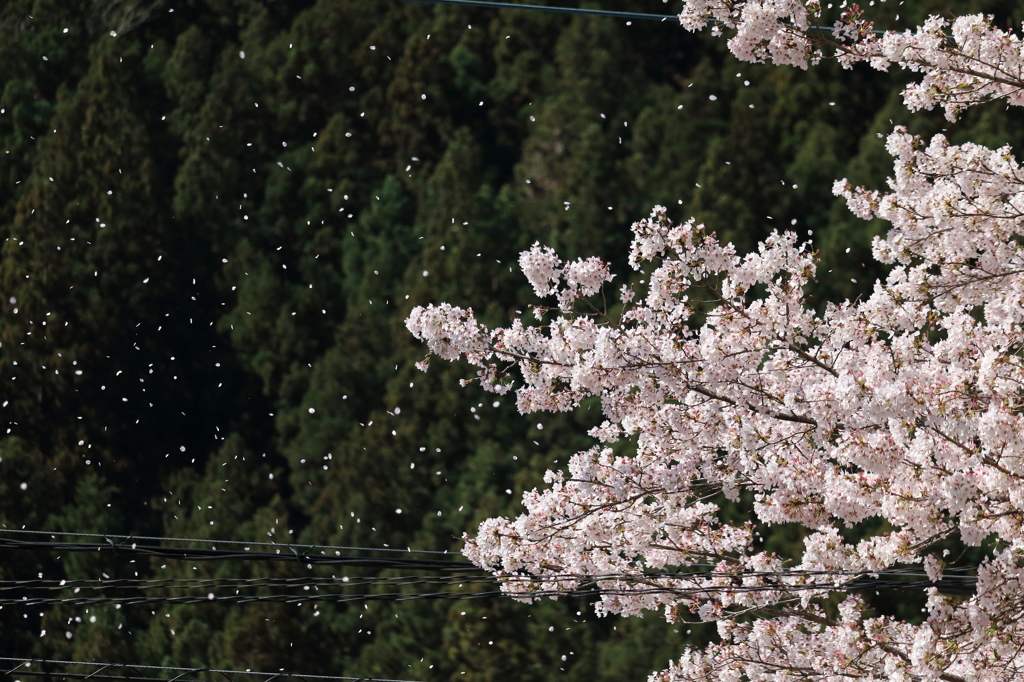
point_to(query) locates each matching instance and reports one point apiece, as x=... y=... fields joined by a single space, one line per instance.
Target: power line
x=588 y=12
x=193 y=554
x=206 y=583
x=854 y=579
x=554 y=8
x=677 y=582
x=525 y=586
x=318 y=597
x=124 y=546
x=772 y=579
x=106 y=671
x=256 y=543
x=321 y=597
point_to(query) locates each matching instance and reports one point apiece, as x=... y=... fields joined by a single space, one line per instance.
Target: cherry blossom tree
x=907 y=405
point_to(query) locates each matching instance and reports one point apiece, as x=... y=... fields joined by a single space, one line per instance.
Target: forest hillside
x=215 y=216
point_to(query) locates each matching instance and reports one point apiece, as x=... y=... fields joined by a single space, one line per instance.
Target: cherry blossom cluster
x=544 y=270
x=907 y=405
x=962 y=62
x=716 y=377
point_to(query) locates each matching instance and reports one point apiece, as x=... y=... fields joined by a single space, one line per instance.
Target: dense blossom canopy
x=906 y=405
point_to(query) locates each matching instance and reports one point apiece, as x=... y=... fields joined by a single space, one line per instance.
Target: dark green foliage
x=226 y=249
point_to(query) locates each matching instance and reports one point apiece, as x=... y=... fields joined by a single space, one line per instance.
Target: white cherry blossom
x=907 y=405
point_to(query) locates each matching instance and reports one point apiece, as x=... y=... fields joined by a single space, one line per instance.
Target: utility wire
x=257 y=543
x=680 y=582
x=106 y=671
x=192 y=554
x=583 y=11
x=7 y=586
x=837 y=578
x=211 y=598
x=522 y=587
x=124 y=547
x=587 y=591
x=554 y=8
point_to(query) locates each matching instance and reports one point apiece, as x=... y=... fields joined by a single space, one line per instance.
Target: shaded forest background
x=215 y=216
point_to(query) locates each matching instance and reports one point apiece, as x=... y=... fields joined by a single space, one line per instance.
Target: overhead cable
x=772 y=579
x=195 y=591
x=202 y=554
x=319 y=597
x=136 y=673
x=584 y=11
x=255 y=543
x=554 y=8
x=679 y=581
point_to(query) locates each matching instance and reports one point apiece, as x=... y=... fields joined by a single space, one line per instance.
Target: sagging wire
x=641 y=16
x=530 y=595
x=516 y=587
x=127 y=548
x=289 y=546
x=108 y=671
x=555 y=9
x=458 y=573
x=771 y=578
